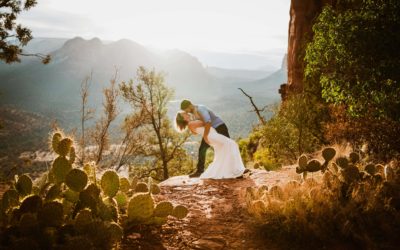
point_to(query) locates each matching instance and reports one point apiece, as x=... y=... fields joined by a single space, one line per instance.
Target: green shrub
x=263 y=157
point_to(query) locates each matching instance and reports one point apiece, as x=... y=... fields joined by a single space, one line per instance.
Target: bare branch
x=256 y=109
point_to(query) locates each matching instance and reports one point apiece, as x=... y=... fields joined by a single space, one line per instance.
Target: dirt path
x=218 y=218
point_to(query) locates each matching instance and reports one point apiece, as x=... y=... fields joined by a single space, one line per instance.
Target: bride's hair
x=180 y=122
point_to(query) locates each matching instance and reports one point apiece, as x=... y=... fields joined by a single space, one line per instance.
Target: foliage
x=14 y=36
x=67 y=208
x=149 y=97
x=354 y=58
x=295 y=128
x=354 y=202
x=262 y=158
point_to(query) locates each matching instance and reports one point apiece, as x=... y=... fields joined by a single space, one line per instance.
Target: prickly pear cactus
x=64 y=146
x=124 y=184
x=328 y=153
x=370 y=169
x=10 y=199
x=313 y=166
x=90 y=170
x=110 y=183
x=354 y=157
x=82 y=219
x=60 y=169
x=76 y=180
x=257 y=208
x=51 y=215
x=24 y=185
x=303 y=159
x=31 y=204
x=155 y=189
x=163 y=209
x=180 y=212
x=141 y=187
x=55 y=141
x=342 y=162
x=276 y=192
x=116 y=231
x=54 y=192
x=122 y=199
x=140 y=207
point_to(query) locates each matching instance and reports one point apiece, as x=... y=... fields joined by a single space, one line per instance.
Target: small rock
x=134 y=236
x=213 y=243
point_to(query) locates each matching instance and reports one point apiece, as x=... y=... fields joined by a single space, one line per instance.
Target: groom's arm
x=206 y=118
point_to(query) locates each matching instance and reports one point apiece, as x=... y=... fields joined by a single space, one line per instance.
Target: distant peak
x=95 y=40
x=78 y=41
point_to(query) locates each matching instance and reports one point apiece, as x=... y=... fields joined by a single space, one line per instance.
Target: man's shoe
x=246 y=171
x=195 y=174
x=239 y=177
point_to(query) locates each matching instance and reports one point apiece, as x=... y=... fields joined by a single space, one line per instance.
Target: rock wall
x=302 y=16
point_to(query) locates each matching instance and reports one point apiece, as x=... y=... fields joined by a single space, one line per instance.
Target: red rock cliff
x=302 y=16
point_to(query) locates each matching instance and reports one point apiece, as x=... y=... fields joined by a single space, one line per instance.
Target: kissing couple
x=200 y=120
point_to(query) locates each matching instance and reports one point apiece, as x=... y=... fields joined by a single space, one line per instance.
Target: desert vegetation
x=351 y=87
x=352 y=202
x=71 y=206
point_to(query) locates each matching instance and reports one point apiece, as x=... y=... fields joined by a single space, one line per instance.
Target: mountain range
x=53 y=90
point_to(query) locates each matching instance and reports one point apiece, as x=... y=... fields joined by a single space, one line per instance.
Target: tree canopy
x=354 y=58
x=13 y=36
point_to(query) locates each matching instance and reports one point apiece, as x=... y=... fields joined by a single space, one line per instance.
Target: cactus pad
x=141 y=187
x=180 y=212
x=354 y=157
x=55 y=141
x=52 y=214
x=155 y=189
x=31 y=204
x=313 y=166
x=163 y=209
x=342 y=162
x=115 y=231
x=24 y=185
x=303 y=162
x=10 y=199
x=140 y=207
x=124 y=184
x=370 y=169
x=328 y=153
x=82 y=219
x=61 y=167
x=64 y=146
x=110 y=183
x=76 y=180
x=122 y=199
x=53 y=192
x=276 y=192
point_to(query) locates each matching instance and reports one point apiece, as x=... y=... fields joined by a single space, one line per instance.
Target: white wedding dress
x=227 y=162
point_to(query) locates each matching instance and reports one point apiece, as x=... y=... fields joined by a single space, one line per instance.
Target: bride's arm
x=195 y=124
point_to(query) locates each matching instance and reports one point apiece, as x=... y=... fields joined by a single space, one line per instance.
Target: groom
x=210 y=120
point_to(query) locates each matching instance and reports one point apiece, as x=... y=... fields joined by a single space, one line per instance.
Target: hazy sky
x=218 y=25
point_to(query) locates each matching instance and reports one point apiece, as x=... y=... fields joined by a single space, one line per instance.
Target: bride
x=227 y=162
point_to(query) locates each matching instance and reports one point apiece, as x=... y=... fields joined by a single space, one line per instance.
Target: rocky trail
x=218 y=218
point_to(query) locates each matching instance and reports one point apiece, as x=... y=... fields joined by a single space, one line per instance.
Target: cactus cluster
x=69 y=207
x=349 y=191
x=314 y=165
